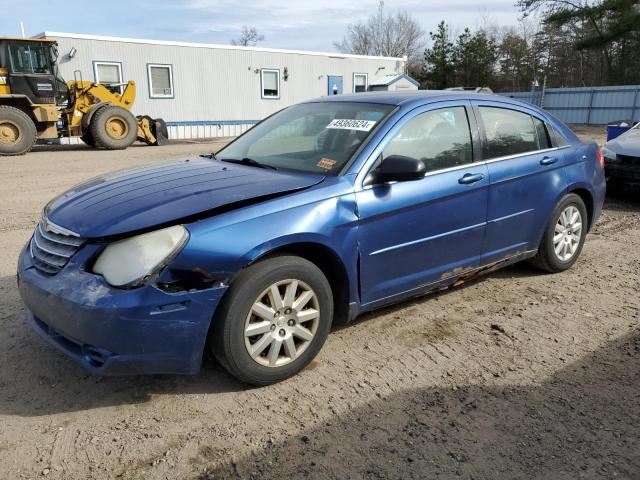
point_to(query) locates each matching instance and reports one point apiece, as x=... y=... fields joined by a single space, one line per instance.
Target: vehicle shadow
x=36 y=379
x=625 y=200
x=75 y=147
x=582 y=422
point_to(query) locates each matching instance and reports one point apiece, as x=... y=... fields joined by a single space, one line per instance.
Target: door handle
x=468 y=178
x=548 y=160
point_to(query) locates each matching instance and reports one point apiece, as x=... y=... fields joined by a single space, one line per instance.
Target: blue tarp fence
x=586 y=105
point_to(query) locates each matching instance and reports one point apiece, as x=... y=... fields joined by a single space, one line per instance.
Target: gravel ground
x=516 y=375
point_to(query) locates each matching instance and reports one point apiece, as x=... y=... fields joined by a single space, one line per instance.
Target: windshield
x=310 y=137
x=27 y=58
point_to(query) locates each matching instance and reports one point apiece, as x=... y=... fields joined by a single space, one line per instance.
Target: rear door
x=415 y=233
x=525 y=174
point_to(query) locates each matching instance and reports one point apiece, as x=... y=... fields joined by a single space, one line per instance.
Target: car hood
x=133 y=200
x=626 y=144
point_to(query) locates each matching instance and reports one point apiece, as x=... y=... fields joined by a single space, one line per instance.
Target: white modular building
x=205 y=90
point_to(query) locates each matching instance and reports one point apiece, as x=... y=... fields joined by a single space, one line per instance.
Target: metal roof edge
x=81 y=36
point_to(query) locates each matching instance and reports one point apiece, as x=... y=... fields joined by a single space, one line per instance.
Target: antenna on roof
x=22 y=29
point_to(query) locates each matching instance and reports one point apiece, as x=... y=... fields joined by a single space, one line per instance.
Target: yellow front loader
x=101 y=117
x=36 y=104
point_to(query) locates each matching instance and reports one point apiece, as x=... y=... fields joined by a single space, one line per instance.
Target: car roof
x=415 y=97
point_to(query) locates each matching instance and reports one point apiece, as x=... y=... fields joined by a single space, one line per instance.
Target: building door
x=334 y=86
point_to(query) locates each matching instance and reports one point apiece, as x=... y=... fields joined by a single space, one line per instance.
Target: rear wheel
x=275 y=318
x=18 y=133
x=113 y=128
x=88 y=138
x=564 y=236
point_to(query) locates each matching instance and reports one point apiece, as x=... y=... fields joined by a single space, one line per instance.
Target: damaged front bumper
x=625 y=169
x=117 y=332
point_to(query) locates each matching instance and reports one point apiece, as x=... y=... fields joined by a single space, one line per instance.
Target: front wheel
x=275 y=318
x=113 y=128
x=564 y=236
x=17 y=131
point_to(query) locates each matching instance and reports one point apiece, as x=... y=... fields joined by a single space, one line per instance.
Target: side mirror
x=399 y=168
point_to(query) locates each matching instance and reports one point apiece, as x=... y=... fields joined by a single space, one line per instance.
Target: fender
x=86 y=119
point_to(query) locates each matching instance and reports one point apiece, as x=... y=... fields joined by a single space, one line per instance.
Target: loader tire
x=87 y=138
x=18 y=133
x=113 y=128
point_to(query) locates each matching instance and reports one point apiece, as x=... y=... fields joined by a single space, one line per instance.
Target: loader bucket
x=152 y=131
x=160 y=131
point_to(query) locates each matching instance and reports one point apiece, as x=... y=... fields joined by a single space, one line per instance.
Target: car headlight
x=129 y=262
x=608 y=153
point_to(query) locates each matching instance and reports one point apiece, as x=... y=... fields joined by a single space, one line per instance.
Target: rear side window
x=558 y=139
x=509 y=132
x=440 y=138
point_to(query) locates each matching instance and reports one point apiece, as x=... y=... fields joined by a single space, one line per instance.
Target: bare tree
x=249 y=37
x=385 y=34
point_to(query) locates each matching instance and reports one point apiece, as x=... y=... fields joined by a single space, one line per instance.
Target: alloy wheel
x=567 y=234
x=282 y=323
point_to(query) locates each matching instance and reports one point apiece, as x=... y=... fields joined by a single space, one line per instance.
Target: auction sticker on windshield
x=347 y=124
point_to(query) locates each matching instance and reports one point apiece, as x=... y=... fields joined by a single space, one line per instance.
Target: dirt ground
x=517 y=375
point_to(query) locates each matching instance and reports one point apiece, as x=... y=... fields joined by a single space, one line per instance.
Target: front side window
x=440 y=138
x=30 y=59
x=360 y=82
x=508 y=132
x=160 y=81
x=270 y=83
x=109 y=74
x=310 y=137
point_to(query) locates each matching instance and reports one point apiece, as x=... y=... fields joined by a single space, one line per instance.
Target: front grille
x=628 y=160
x=51 y=250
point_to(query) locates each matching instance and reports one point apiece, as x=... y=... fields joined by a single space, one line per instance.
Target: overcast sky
x=304 y=25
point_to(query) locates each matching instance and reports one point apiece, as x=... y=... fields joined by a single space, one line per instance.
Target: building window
x=270 y=81
x=360 y=82
x=160 y=81
x=109 y=73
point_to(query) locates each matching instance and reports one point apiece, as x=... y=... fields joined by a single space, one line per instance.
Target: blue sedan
x=325 y=210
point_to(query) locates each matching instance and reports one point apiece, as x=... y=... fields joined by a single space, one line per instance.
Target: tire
x=547 y=259
x=18 y=133
x=113 y=128
x=88 y=139
x=229 y=342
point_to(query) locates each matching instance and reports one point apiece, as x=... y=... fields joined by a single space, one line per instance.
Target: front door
x=415 y=233
x=334 y=85
x=526 y=179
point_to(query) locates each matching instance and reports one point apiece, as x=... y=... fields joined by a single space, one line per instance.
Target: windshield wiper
x=248 y=161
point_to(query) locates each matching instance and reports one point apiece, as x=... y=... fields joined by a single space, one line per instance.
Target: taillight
x=599 y=157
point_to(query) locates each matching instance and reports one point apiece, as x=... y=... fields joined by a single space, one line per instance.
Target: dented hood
x=626 y=144
x=139 y=199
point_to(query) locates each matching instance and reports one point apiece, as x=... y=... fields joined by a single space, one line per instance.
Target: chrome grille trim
x=60 y=238
x=50 y=249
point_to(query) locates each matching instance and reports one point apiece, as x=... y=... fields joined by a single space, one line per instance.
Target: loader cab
x=31 y=69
